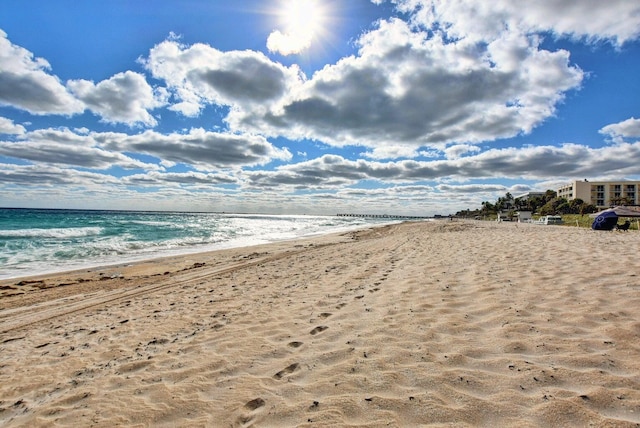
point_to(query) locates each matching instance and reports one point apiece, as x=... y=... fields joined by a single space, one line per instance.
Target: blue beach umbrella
x=605 y=220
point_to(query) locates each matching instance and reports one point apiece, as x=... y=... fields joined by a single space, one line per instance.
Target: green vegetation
x=586 y=221
x=574 y=213
x=577 y=220
x=546 y=204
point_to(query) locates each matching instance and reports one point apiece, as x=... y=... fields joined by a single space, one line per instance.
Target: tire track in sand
x=18 y=318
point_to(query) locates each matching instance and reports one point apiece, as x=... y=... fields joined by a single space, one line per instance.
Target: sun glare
x=300 y=21
x=302 y=18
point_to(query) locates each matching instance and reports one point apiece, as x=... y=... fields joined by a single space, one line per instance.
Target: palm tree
x=487 y=208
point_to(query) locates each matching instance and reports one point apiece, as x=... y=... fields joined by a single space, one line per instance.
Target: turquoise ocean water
x=35 y=241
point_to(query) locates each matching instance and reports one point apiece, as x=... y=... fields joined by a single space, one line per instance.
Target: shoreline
x=137 y=258
x=98 y=275
x=437 y=323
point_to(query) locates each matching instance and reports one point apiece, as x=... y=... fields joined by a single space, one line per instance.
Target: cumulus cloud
x=471 y=188
x=454 y=152
x=406 y=88
x=8 y=127
x=287 y=44
x=26 y=84
x=615 y=20
x=629 y=128
x=36 y=176
x=199 y=148
x=393 y=151
x=125 y=98
x=532 y=163
x=199 y=75
x=63 y=147
x=156 y=178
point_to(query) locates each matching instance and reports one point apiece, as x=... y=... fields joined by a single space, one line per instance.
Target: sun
x=300 y=22
x=302 y=18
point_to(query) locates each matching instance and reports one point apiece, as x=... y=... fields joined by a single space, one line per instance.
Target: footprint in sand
x=245 y=419
x=318 y=329
x=288 y=370
x=255 y=404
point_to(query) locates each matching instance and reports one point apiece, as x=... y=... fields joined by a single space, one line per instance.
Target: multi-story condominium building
x=602 y=194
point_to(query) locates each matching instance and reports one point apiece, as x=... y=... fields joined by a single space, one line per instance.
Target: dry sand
x=437 y=324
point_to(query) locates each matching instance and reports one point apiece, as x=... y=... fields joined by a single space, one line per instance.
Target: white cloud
x=404 y=91
x=201 y=149
x=287 y=44
x=471 y=188
x=199 y=75
x=407 y=89
x=25 y=83
x=124 y=98
x=457 y=151
x=28 y=176
x=8 y=127
x=337 y=177
x=198 y=149
x=629 y=128
x=192 y=178
x=394 y=151
x=65 y=148
x=614 y=20
x=531 y=163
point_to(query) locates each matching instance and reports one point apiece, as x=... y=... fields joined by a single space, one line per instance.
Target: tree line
x=546 y=204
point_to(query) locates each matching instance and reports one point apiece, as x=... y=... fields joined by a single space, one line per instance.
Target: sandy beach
x=417 y=324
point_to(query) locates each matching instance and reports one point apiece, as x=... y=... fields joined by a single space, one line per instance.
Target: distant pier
x=393 y=217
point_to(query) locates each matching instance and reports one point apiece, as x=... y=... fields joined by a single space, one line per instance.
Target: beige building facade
x=602 y=194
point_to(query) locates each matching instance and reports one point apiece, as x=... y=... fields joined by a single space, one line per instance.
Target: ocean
x=37 y=241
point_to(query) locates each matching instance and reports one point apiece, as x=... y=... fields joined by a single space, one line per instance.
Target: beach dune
x=443 y=323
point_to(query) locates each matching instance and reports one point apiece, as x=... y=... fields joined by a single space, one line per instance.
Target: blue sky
x=415 y=107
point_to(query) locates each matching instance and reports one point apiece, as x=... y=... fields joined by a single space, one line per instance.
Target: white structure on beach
x=523 y=216
x=519 y=216
x=602 y=193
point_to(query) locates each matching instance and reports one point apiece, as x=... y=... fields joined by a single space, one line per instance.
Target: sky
x=414 y=107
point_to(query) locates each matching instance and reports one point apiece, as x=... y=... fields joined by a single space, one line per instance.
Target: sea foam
x=44 y=241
